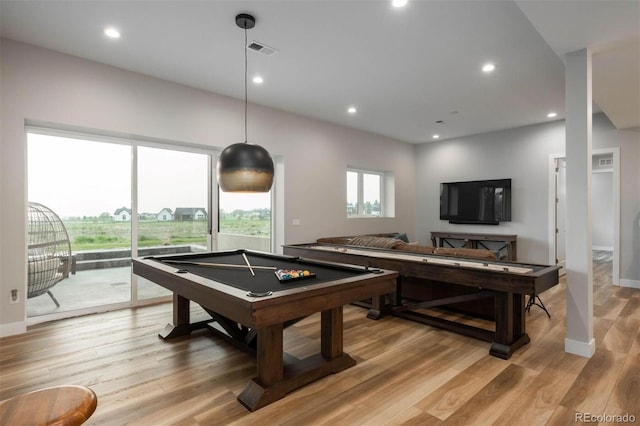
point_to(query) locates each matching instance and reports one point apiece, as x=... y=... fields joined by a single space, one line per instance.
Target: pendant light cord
x=245 y=85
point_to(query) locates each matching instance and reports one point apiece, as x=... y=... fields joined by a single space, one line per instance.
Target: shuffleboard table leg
x=519 y=318
x=375 y=311
x=379 y=306
x=510 y=334
x=503 y=338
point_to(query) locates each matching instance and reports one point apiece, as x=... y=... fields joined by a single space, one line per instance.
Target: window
x=369 y=193
x=244 y=221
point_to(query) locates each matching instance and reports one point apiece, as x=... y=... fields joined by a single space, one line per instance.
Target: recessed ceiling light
x=488 y=67
x=436 y=136
x=352 y=110
x=552 y=114
x=111 y=32
x=258 y=80
x=399 y=3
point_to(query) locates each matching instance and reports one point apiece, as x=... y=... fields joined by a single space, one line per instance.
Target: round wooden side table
x=59 y=406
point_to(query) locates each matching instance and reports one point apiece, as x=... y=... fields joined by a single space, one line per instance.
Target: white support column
x=579 y=339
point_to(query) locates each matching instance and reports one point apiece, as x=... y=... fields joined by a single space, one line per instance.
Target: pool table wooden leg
x=275 y=379
x=269 y=358
x=331 y=333
x=181 y=320
x=181 y=311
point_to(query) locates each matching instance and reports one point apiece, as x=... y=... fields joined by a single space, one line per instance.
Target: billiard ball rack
x=285 y=275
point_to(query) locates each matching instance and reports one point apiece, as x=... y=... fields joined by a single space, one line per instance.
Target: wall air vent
x=606 y=162
x=256 y=46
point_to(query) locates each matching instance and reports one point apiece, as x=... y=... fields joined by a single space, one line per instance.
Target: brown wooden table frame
x=476 y=241
x=508 y=290
x=265 y=318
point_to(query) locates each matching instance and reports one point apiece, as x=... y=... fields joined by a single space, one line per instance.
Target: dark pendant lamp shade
x=245 y=167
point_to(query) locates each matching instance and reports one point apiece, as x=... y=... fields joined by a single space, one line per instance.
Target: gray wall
x=46 y=86
x=522 y=154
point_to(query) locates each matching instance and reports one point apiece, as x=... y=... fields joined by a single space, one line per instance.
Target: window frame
x=360 y=191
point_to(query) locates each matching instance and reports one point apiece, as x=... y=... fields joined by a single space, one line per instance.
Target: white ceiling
x=404 y=69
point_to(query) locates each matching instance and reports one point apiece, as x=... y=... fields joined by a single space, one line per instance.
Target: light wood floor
x=407 y=373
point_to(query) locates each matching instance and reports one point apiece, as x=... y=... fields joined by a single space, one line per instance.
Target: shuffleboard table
x=251 y=300
x=429 y=281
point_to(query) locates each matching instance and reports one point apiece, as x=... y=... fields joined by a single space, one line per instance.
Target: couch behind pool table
x=251 y=307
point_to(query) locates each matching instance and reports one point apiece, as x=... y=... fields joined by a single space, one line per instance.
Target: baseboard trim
x=602 y=248
x=13 y=328
x=584 y=349
x=630 y=283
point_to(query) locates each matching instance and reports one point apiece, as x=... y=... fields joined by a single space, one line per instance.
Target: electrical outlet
x=14 y=296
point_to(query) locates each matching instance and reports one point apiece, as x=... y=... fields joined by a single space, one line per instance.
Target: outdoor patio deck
x=95 y=287
x=102 y=279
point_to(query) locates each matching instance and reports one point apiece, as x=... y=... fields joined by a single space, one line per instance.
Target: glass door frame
x=48 y=129
x=277 y=201
x=211 y=203
x=277 y=225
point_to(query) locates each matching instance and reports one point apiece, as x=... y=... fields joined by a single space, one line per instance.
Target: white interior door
x=605 y=194
x=561 y=200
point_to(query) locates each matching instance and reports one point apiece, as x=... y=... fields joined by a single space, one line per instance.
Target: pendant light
x=245 y=167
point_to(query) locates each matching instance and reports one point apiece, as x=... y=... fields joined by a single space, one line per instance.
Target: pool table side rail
x=194 y=257
x=230 y=301
x=258 y=311
x=171 y=271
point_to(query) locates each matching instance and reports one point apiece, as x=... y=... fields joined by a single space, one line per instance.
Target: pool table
x=250 y=306
x=493 y=290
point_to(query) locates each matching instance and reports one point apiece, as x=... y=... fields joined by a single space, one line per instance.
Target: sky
x=77 y=178
x=370 y=190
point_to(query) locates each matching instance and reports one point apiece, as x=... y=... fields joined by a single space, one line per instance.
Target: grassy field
x=93 y=234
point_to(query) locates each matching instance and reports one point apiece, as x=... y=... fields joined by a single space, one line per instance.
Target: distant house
x=122 y=214
x=190 y=214
x=165 y=214
x=147 y=216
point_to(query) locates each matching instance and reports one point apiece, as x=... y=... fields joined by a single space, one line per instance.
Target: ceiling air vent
x=256 y=46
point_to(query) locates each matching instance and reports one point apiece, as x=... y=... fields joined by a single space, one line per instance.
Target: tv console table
x=510 y=242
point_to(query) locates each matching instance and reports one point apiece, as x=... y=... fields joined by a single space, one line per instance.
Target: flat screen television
x=486 y=202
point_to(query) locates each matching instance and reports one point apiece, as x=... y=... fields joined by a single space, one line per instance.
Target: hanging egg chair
x=49 y=251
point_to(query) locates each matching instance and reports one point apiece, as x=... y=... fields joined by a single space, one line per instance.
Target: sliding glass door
x=173 y=207
x=85 y=186
x=244 y=221
x=114 y=199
